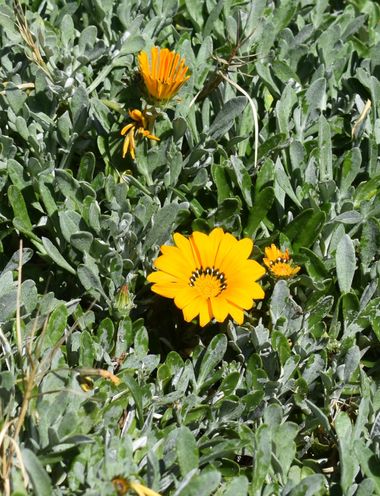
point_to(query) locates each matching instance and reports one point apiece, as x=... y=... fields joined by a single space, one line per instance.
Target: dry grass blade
x=27 y=36
x=18 y=300
x=361 y=119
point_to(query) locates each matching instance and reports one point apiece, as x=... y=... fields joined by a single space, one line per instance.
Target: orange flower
x=164 y=74
x=209 y=275
x=136 y=128
x=279 y=263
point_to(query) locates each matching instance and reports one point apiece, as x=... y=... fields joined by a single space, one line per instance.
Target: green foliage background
x=288 y=403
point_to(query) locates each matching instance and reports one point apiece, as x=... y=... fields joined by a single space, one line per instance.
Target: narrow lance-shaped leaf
x=345 y=263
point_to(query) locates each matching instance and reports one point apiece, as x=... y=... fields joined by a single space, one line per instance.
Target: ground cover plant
x=189 y=247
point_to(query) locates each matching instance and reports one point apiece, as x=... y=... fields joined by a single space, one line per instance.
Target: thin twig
x=22 y=86
x=18 y=301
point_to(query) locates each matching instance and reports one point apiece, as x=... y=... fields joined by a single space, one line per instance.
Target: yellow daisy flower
x=208 y=275
x=136 y=128
x=279 y=262
x=164 y=74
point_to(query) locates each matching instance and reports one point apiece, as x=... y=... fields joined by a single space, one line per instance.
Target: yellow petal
x=173 y=263
x=126 y=145
x=236 y=313
x=191 y=310
x=185 y=296
x=204 y=248
x=238 y=254
x=166 y=290
x=126 y=129
x=219 y=308
x=239 y=297
x=245 y=272
x=227 y=243
x=162 y=277
x=205 y=313
x=186 y=250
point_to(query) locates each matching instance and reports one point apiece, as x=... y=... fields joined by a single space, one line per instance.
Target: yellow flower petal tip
x=279 y=263
x=138 y=128
x=209 y=276
x=163 y=73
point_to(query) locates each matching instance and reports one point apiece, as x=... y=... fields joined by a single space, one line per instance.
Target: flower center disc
x=281 y=269
x=209 y=282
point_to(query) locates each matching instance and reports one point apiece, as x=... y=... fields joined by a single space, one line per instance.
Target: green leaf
x=283 y=439
x=90 y=280
x=87 y=352
x=68 y=186
x=55 y=327
x=351 y=362
x=305 y=228
x=204 y=484
x=282 y=180
x=325 y=150
x=187 y=450
x=319 y=415
x=345 y=263
x=162 y=222
x=219 y=175
x=369 y=241
x=369 y=462
x=243 y=179
x=366 y=190
x=53 y=252
x=19 y=207
x=82 y=241
x=137 y=396
x=47 y=194
x=213 y=355
x=38 y=475
x=226 y=116
x=349 y=465
x=213 y=16
x=237 y=487
x=350 y=168
x=314 y=265
x=263 y=455
x=284 y=107
x=263 y=201
x=69 y=222
x=316 y=95
x=86 y=167
x=314 y=485
x=195 y=11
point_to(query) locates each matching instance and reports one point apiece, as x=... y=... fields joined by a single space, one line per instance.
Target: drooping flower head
x=136 y=128
x=208 y=275
x=122 y=486
x=279 y=263
x=164 y=73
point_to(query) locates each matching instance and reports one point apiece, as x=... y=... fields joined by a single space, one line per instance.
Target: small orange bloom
x=136 y=128
x=279 y=263
x=164 y=74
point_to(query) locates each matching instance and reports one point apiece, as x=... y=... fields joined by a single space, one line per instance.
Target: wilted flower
x=164 y=74
x=122 y=486
x=279 y=263
x=208 y=275
x=124 y=301
x=136 y=128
